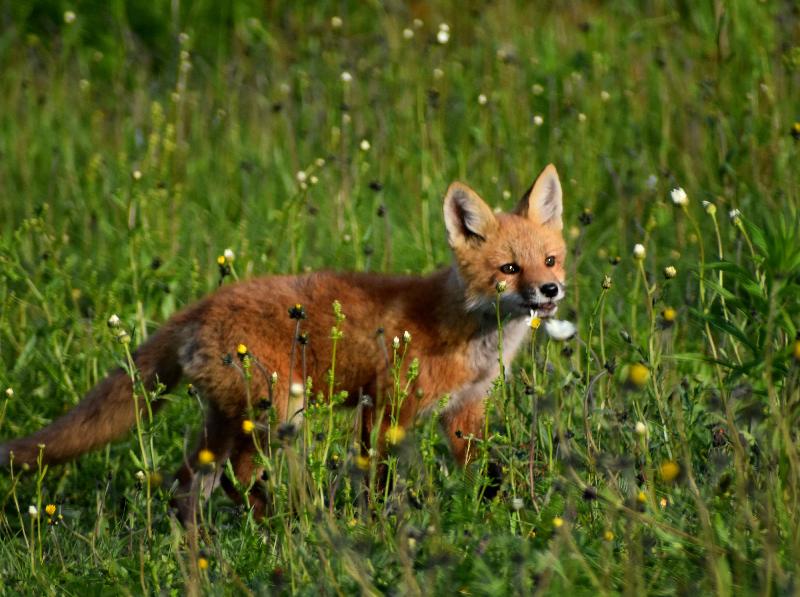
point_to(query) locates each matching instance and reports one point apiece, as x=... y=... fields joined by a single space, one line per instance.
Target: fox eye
x=550 y=261
x=509 y=268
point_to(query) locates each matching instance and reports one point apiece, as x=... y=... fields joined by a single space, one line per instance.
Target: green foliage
x=138 y=141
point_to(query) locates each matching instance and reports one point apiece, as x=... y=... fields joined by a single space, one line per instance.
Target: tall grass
x=655 y=452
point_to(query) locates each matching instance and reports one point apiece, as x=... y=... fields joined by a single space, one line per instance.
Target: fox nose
x=549 y=290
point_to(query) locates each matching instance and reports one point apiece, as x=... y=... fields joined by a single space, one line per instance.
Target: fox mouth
x=547 y=309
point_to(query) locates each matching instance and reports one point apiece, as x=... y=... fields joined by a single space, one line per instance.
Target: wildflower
x=538 y=120
x=438 y=73
x=123 y=337
x=641 y=428
x=346 y=77
x=506 y=194
x=362 y=462
x=517 y=503
x=638 y=375
x=248 y=426
x=443 y=36
x=336 y=22
x=581 y=117
x=221 y=260
x=736 y=216
x=33 y=511
x=9 y=393
x=669 y=471
x=663 y=503
x=69 y=17
x=140 y=475
x=796 y=131
x=559 y=330
x=639 y=251
x=710 y=208
x=605 y=95
x=533 y=321
x=313 y=180
x=406 y=337
x=113 y=321
x=408 y=33
x=606 y=282
x=273 y=378
x=608 y=536
x=136 y=174
x=395 y=434
x=537 y=89
x=296 y=389
x=352 y=523
x=202 y=563
x=364 y=145
x=50 y=509
x=395 y=342
x=670 y=272
x=205 y=457
x=641 y=497
x=297 y=312
x=668 y=315
x=482 y=99
x=679 y=196
x=241 y=350
x=795 y=353
x=501 y=286
x=418 y=23
x=558 y=522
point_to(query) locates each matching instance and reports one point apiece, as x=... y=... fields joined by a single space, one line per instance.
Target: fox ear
x=466 y=216
x=542 y=203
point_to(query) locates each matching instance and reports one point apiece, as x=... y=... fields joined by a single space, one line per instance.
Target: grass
x=657 y=452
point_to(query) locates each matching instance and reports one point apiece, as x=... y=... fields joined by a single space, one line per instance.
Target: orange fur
x=450 y=315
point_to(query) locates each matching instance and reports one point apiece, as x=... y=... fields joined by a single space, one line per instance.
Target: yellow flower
x=205 y=457
x=663 y=503
x=558 y=522
x=362 y=462
x=352 y=522
x=641 y=497
x=50 y=509
x=669 y=314
x=241 y=350
x=638 y=375
x=202 y=563
x=248 y=426
x=608 y=536
x=796 y=350
x=669 y=471
x=395 y=434
x=220 y=261
x=535 y=323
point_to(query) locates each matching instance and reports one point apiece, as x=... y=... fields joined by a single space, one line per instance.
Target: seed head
x=443 y=36
x=538 y=120
x=395 y=342
x=607 y=282
x=670 y=272
x=482 y=99
x=408 y=33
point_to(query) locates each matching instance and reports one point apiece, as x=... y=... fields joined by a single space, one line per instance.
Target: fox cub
x=450 y=314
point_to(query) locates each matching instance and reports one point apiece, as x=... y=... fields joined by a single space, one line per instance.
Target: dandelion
x=346 y=77
x=641 y=428
x=136 y=174
x=506 y=194
x=443 y=36
x=362 y=462
x=50 y=509
x=669 y=471
x=641 y=497
x=140 y=475
x=668 y=315
x=670 y=272
x=123 y=337
x=202 y=563
x=183 y=38
x=395 y=342
x=558 y=522
x=517 y=504
x=69 y=17
x=638 y=251
x=205 y=457
x=229 y=254
x=365 y=146
x=679 y=196
x=33 y=511
x=241 y=350
x=248 y=426
x=638 y=375
x=559 y=330
x=395 y=434
x=608 y=536
x=406 y=337
x=9 y=393
x=538 y=120
x=735 y=216
x=336 y=22
x=533 y=321
x=482 y=99
x=408 y=33
x=501 y=286
x=221 y=260
x=113 y=321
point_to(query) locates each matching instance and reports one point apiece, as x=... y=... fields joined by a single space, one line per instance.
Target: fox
x=511 y=262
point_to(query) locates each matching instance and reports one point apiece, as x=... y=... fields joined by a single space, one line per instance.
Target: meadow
x=656 y=452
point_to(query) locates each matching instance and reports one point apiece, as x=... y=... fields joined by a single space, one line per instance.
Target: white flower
x=406 y=336
x=33 y=511
x=137 y=174
x=274 y=377
x=336 y=22
x=533 y=321
x=559 y=330
x=443 y=36
x=9 y=393
x=581 y=117
x=301 y=176
x=408 y=33
x=396 y=342
x=679 y=196
x=296 y=389
x=538 y=120
x=735 y=215
x=313 y=180
x=364 y=145
x=69 y=17
x=140 y=475
x=444 y=27
x=113 y=321
x=482 y=99
x=638 y=251
x=501 y=286
x=605 y=95
x=346 y=77
x=641 y=428
x=670 y=272
x=229 y=254
x=517 y=503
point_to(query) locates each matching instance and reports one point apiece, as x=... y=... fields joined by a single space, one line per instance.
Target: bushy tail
x=106 y=412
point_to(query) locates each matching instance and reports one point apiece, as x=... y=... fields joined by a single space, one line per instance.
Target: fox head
x=524 y=248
